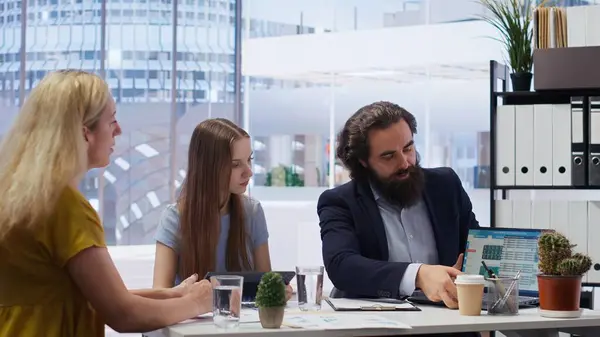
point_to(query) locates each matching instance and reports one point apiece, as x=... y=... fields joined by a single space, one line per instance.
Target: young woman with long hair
x=213 y=226
x=57 y=278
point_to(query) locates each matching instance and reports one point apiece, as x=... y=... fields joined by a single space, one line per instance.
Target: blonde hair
x=45 y=148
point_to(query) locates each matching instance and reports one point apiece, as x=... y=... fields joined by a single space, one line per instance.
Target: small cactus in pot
x=561 y=272
x=557 y=258
x=553 y=248
x=578 y=264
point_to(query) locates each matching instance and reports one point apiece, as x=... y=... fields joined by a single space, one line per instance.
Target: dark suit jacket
x=355 y=251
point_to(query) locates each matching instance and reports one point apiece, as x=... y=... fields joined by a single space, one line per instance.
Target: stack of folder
x=550 y=27
x=584 y=26
x=546 y=144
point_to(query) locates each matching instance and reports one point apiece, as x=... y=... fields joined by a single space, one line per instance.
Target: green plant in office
x=292 y=178
x=282 y=175
x=513 y=20
x=553 y=248
x=560 y=277
x=578 y=264
x=271 y=291
x=270 y=299
x=269 y=179
x=557 y=258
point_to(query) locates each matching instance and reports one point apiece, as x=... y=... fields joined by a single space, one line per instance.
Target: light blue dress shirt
x=410 y=238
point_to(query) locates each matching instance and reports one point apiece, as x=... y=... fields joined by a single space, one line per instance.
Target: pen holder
x=502 y=297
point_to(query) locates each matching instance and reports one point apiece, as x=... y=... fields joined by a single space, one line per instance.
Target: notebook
x=346 y=304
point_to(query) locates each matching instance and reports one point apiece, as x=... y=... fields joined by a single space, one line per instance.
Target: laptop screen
x=505 y=251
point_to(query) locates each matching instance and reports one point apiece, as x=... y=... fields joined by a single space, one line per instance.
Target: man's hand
x=459 y=262
x=437 y=282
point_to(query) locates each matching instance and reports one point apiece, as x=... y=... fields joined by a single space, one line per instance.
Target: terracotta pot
x=271 y=317
x=559 y=293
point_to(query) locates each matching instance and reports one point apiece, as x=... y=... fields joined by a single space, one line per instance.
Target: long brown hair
x=201 y=198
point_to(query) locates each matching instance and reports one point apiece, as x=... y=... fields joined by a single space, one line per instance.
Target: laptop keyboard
x=523 y=300
x=420 y=298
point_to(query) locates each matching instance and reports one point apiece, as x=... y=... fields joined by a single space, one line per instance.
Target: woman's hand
x=288 y=292
x=235 y=302
x=184 y=287
x=202 y=295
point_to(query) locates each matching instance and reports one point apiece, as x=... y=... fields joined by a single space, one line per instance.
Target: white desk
x=431 y=320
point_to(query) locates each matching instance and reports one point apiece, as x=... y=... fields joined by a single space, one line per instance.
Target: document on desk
x=345 y=304
x=341 y=321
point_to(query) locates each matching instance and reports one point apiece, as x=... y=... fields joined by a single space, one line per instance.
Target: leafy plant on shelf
x=283 y=176
x=557 y=258
x=513 y=20
x=271 y=291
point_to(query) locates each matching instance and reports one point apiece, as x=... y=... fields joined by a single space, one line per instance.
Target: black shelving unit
x=499 y=77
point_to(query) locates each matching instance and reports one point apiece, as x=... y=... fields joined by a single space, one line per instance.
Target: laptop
x=505 y=251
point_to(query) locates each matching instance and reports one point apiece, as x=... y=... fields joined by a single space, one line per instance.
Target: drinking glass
x=310 y=287
x=227 y=300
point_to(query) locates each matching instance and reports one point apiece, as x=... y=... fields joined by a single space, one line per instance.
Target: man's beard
x=401 y=192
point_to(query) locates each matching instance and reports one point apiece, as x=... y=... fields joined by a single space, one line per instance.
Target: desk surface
x=430 y=320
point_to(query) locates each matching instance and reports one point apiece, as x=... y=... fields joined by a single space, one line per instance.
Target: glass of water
x=227 y=300
x=310 y=287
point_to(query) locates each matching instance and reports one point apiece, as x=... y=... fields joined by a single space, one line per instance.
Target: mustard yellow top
x=37 y=295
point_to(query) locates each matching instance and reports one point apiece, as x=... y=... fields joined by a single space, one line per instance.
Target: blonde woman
x=56 y=276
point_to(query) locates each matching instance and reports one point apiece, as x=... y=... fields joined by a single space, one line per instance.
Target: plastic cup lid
x=469 y=279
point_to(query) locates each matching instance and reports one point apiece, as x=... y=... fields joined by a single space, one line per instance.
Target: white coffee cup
x=469 y=289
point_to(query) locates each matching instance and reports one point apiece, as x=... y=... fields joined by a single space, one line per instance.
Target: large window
x=431 y=57
x=162 y=90
x=306 y=68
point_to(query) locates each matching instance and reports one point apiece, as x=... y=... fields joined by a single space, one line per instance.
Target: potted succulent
x=270 y=300
x=513 y=20
x=561 y=271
